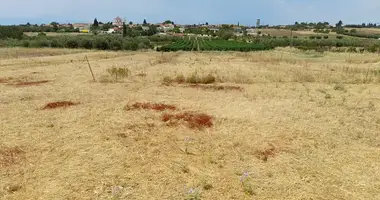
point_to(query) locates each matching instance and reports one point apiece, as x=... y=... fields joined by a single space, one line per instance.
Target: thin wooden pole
x=89 y=66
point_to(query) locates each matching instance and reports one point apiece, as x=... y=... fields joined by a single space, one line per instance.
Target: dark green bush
x=116 y=45
x=25 y=43
x=101 y=44
x=86 y=43
x=72 y=43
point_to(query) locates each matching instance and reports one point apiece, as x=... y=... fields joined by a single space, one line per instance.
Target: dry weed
x=192 y=79
x=150 y=106
x=215 y=87
x=266 y=153
x=29 y=83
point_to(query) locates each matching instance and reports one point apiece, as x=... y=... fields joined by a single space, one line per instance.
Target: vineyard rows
x=212 y=45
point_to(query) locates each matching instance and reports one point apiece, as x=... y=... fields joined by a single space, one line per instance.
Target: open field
x=281 y=124
x=368 y=31
x=284 y=32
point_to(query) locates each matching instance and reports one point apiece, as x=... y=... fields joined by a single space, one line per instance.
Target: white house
x=251 y=31
x=111 y=30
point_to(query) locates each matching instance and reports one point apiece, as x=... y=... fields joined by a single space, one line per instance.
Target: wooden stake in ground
x=89 y=66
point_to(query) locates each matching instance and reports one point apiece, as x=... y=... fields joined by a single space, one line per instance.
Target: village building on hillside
x=166 y=27
x=82 y=27
x=117 y=22
x=251 y=31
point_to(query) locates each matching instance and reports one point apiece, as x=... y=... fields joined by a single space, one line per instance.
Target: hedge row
x=85 y=42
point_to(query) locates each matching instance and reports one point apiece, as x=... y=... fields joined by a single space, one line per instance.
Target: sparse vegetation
x=118 y=73
x=194 y=78
x=30 y=83
x=150 y=106
x=285 y=117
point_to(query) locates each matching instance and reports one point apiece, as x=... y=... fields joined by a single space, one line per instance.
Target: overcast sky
x=191 y=12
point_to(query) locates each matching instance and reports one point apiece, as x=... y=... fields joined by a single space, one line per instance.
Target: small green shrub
x=41 y=34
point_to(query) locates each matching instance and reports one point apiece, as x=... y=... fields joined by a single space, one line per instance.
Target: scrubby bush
x=116 y=45
x=25 y=43
x=72 y=43
x=119 y=73
x=101 y=43
x=86 y=43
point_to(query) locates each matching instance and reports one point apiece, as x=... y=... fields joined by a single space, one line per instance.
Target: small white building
x=251 y=31
x=111 y=30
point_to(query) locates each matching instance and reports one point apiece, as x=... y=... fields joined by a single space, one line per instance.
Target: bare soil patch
x=10 y=156
x=59 y=104
x=192 y=120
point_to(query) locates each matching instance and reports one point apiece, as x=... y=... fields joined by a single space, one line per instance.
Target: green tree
x=96 y=23
x=144 y=22
x=168 y=22
x=176 y=30
x=124 y=30
x=339 y=24
x=225 y=34
x=130 y=23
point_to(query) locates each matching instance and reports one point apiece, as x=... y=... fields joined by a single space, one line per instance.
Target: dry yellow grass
x=284 y=32
x=306 y=126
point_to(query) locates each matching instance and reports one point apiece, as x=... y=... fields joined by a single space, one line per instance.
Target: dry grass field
x=282 y=124
x=284 y=32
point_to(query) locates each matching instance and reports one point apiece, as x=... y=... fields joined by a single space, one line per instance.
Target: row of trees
x=14 y=32
x=326 y=25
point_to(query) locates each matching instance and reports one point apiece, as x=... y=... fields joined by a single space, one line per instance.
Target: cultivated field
x=282 y=124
